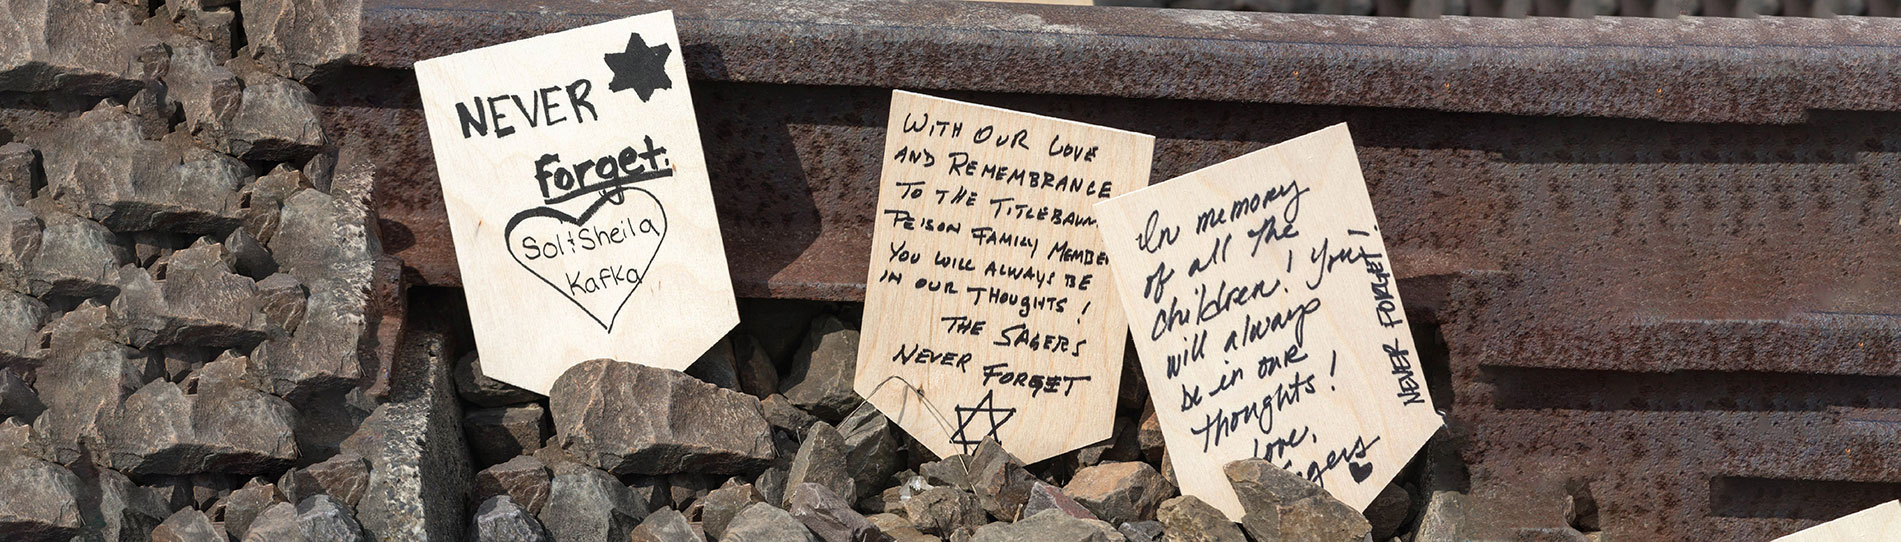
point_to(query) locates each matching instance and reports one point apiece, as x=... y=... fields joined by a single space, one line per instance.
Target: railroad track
x=1658 y=253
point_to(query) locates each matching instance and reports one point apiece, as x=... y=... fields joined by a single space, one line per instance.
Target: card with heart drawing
x=578 y=200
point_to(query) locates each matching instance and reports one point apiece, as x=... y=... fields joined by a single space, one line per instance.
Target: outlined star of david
x=641 y=68
x=967 y=415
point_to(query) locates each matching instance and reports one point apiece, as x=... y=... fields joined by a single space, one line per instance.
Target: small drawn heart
x=1359 y=470
x=596 y=260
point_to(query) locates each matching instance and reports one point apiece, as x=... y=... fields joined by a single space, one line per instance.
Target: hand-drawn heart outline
x=605 y=197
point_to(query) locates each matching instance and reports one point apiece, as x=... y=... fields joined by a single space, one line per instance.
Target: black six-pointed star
x=967 y=436
x=641 y=68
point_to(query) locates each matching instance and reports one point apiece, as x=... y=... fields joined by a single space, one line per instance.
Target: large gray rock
x=236 y=430
x=587 y=505
x=821 y=460
x=100 y=166
x=76 y=258
x=243 y=506
x=20 y=234
x=943 y=510
x=275 y=121
x=19 y=173
x=1049 y=526
x=38 y=500
x=478 y=388
x=1001 y=482
x=301 y=38
x=721 y=505
x=82 y=393
x=499 y=519
x=634 y=419
x=419 y=466
x=498 y=434
x=666 y=525
x=344 y=477
x=1120 y=492
x=1281 y=505
x=830 y=517
x=1389 y=511
x=71 y=45
x=822 y=371
x=209 y=93
x=871 y=448
x=766 y=523
x=317 y=519
x=1188 y=519
x=201 y=302
x=524 y=479
x=753 y=367
x=188 y=525
x=116 y=508
x=322 y=241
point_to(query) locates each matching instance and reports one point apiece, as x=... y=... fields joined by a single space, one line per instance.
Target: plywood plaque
x=578 y=199
x=1268 y=321
x=988 y=308
x=1879 y=524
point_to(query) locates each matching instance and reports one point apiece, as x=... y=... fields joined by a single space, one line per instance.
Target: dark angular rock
x=717 y=366
x=419 y=466
x=765 y=523
x=20 y=235
x=188 y=525
x=771 y=484
x=682 y=490
x=753 y=367
x=1281 y=505
x=124 y=510
x=316 y=519
x=1142 y=531
x=323 y=356
x=1149 y=435
x=666 y=525
x=498 y=434
x=200 y=302
x=76 y=258
x=721 y=505
x=476 y=388
x=785 y=418
x=82 y=393
x=1049 y=526
x=821 y=460
x=829 y=516
x=17 y=399
x=951 y=471
x=263 y=201
x=75 y=46
x=281 y=298
x=871 y=449
x=19 y=173
x=1188 y=519
x=343 y=477
x=499 y=519
x=524 y=479
x=154 y=109
x=1389 y=511
x=275 y=121
x=1120 y=492
x=160 y=430
x=244 y=505
x=1048 y=497
x=943 y=510
x=38 y=500
x=820 y=381
x=301 y=38
x=587 y=505
x=1002 y=484
x=247 y=256
x=634 y=419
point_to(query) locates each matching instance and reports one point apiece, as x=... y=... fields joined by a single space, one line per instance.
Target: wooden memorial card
x=988 y=305
x=578 y=199
x=1268 y=321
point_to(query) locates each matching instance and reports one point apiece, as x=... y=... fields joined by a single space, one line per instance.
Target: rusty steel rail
x=1658 y=256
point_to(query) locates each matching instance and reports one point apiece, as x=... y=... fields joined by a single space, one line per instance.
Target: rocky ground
x=200 y=339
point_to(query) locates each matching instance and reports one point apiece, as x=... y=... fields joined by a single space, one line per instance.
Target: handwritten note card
x=988 y=307
x=578 y=199
x=1268 y=320
x=1879 y=524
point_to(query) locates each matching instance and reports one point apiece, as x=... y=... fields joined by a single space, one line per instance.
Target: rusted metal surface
x=1660 y=254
